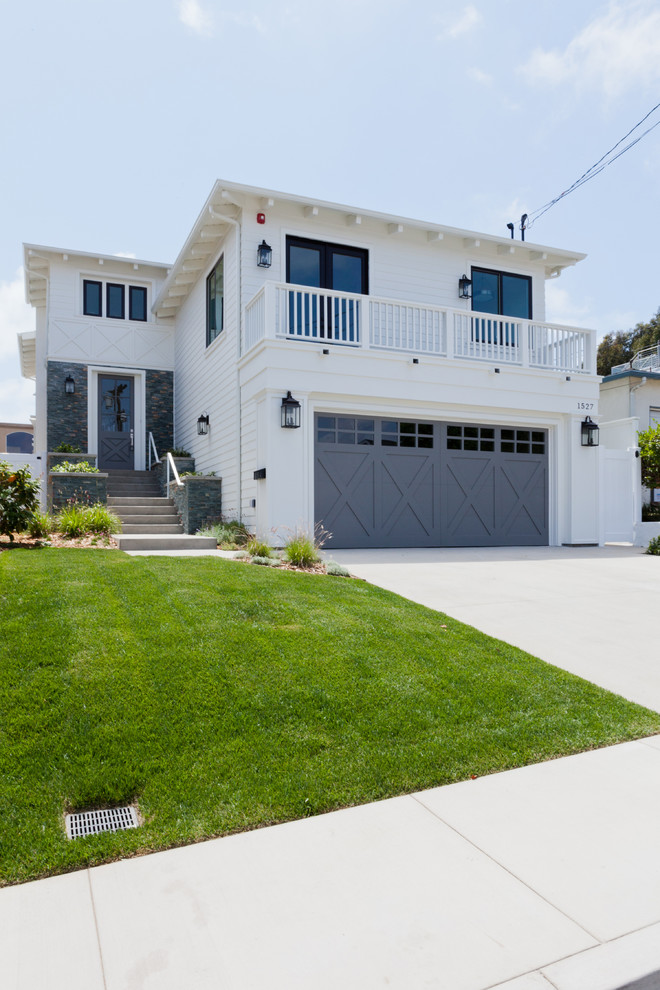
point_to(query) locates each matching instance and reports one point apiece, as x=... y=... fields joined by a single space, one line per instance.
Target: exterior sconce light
x=203 y=425
x=589 y=433
x=464 y=287
x=69 y=385
x=264 y=255
x=290 y=413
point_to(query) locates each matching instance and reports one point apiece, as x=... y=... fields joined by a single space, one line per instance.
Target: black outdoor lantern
x=264 y=255
x=290 y=413
x=69 y=385
x=464 y=287
x=203 y=425
x=589 y=433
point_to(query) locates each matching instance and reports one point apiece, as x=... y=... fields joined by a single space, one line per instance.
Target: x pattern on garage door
x=389 y=483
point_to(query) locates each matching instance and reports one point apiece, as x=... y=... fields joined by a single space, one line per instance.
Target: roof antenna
x=510 y=227
x=523 y=224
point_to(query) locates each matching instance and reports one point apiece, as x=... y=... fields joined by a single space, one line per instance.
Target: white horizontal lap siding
x=403 y=266
x=205 y=379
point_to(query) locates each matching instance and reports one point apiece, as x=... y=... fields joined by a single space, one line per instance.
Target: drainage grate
x=101 y=820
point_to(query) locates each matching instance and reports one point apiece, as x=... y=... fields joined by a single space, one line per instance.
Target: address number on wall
x=586 y=405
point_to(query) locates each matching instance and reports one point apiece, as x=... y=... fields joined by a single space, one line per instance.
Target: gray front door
x=389 y=483
x=116 y=427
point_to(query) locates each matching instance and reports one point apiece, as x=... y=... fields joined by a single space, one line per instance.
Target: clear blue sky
x=118 y=117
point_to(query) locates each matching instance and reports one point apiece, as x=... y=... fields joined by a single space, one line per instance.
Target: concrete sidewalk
x=538 y=878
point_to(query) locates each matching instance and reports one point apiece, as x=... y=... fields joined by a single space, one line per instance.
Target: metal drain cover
x=101 y=820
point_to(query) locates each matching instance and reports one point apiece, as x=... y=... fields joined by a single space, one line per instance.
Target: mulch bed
x=89 y=542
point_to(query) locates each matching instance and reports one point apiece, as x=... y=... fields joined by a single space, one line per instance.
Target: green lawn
x=223 y=696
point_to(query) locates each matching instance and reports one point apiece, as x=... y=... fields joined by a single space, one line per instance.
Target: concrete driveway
x=593 y=611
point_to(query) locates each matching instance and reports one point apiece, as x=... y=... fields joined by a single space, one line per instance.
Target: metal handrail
x=152 y=446
x=172 y=465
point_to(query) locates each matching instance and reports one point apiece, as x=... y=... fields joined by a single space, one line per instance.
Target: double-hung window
x=215 y=291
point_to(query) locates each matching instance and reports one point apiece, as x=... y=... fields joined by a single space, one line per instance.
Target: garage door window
x=345 y=429
x=470 y=438
x=522 y=442
x=395 y=434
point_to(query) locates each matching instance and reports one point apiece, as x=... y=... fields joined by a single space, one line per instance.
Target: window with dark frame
x=215 y=302
x=115 y=305
x=502 y=293
x=92 y=298
x=137 y=303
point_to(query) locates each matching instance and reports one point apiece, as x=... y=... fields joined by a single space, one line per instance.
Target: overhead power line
x=607 y=159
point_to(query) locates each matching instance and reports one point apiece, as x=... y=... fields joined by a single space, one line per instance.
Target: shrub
x=66 y=448
x=19 y=495
x=332 y=567
x=654 y=547
x=40 y=525
x=265 y=561
x=78 y=467
x=258 y=548
x=71 y=521
x=99 y=519
x=179 y=452
x=78 y=520
x=302 y=548
x=229 y=535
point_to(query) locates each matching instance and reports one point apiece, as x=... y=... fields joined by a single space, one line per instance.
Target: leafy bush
x=78 y=467
x=649 y=449
x=332 y=567
x=654 y=547
x=266 y=561
x=302 y=548
x=41 y=525
x=67 y=448
x=19 y=496
x=179 y=452
x=229 y=535
x=258 y=548
x=651 y=512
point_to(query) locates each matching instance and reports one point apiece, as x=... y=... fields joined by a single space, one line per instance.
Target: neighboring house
x=629 y=402
x=16 y=438
x=436 y=407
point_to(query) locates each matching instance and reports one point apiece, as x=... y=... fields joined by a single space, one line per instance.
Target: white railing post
x=449 y=321
x=524 y=330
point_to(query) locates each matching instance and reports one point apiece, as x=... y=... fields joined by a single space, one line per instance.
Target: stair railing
x=152 y=447
x=171 y=466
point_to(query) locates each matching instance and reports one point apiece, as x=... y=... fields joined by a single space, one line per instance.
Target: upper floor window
x=115 y=300
x=501 y=293
x=215 y=291
x=326 y=266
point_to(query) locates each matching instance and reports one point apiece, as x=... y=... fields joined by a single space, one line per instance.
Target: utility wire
x=596 y=168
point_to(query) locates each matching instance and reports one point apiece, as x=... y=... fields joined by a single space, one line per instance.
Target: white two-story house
x=393 y=380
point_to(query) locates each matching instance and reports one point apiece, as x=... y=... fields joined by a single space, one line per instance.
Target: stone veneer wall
x=198 y=502
x=67 y=414
x=86 y=488
x=160 y=409
x=182 y=464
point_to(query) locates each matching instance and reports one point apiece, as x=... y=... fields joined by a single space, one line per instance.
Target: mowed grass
x=222 y=697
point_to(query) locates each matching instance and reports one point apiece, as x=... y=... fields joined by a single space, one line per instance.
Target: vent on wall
x=101 y=820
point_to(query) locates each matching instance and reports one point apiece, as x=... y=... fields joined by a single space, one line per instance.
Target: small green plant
x=19 y=495
x=179 y=452
x=99 y=519
x=78 y=520
x=77 y=467
x=41 y=525
x=259 y=559
x=71 y=521
x=654 y=547
x=229 y=535
x=332 y=567
x=301 y=548
x=66 y=448
x=257 y=547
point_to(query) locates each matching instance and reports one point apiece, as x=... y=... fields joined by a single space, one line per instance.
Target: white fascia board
x=27 y=349
x=58 y=253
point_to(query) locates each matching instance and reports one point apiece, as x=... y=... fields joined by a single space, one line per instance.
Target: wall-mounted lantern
x=290 y=412
x=264 y=255
x=589 y=432
x=69 y=385
x=464 y=287
x=203 y=425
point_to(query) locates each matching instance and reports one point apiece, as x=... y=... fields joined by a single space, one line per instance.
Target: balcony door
x=325 y=266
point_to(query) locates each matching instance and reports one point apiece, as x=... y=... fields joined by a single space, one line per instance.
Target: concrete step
x=146 y=541
x=150 y=528
x=118 y=500
x=144 y=510
x=133 y=491
x=151 y=519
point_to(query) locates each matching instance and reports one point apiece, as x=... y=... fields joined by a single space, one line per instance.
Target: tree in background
x=617 y=348
x=19 y=498
x=649 y=449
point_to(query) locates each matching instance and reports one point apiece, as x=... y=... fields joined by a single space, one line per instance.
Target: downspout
x=239 y=340
x=634 y=389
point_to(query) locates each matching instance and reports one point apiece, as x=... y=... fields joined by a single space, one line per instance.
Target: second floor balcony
x=344 y=319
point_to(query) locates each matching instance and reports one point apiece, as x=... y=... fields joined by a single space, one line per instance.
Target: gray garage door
x=394 y=483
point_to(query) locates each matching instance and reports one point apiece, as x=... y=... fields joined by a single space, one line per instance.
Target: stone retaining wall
x=65 y=486
x=198 y=502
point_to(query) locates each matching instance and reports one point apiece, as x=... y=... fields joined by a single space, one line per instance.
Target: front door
x=116 y=427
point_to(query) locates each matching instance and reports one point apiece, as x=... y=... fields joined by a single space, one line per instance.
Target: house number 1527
x=585 y=405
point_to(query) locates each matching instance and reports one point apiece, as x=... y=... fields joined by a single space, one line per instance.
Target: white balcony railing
x=346 y=319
